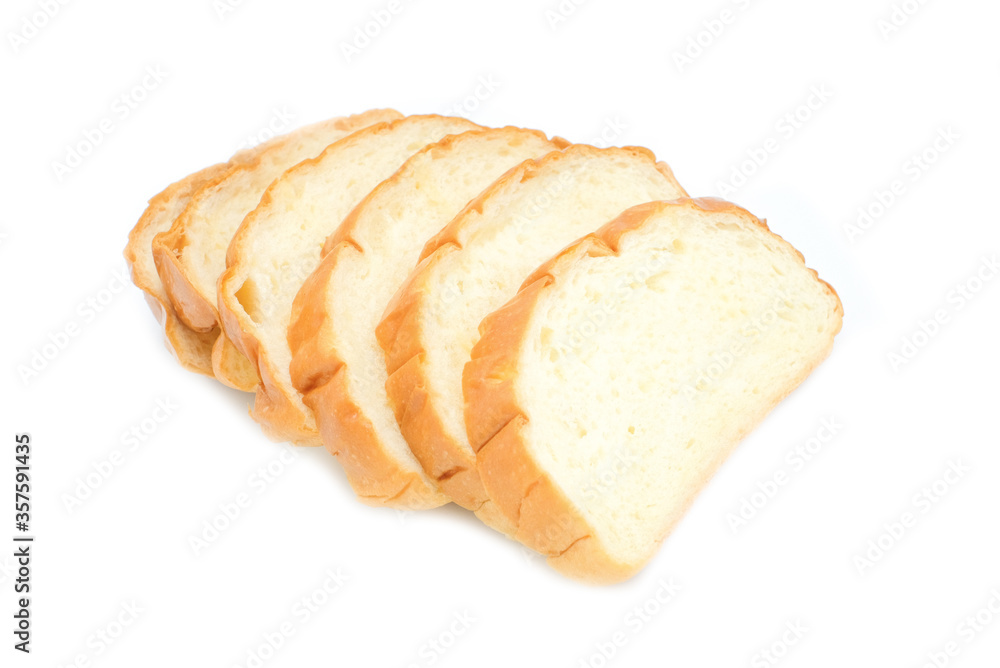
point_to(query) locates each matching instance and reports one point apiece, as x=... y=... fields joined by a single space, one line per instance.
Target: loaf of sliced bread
x=192 y=349
x=280 y=243
x=476 y=264
x=608 y=391
x=337 y=363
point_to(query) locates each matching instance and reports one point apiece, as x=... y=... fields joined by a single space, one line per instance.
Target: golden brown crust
x=402 y=338
x=452 y=233
x=190 y=307
x=318 y=373
x=546 y=520
x=231 y=367
x=191 y=349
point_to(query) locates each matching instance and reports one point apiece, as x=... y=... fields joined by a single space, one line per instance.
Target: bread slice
x=280 y=243
x=191 y=254
x=192 y=349
x=608 y=391
x=337 y=364
x=476 y=264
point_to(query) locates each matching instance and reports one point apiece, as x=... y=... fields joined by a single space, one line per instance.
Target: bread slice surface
x=476 y=264
x=280 y=243
x=337 y=363
x=602 y=397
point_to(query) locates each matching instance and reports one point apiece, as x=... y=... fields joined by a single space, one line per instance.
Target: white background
x=608 y=65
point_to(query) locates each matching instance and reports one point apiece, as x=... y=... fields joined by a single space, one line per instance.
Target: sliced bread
x=280 y=243
x=608 y=391
x=476 y=264
x=191 y=254
x=192 y=349
x=337 y=363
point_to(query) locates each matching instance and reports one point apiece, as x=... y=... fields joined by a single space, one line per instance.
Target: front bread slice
x=280 y=243
x=608 y=391
x=337 y=363
x=476 y=264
